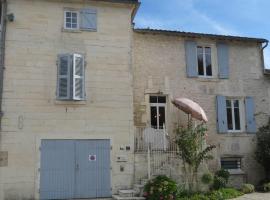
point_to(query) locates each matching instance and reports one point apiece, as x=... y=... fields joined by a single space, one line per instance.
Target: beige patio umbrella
x=190 y=107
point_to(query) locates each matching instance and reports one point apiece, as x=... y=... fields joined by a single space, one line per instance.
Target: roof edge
x=198 y=35
x=122 y=1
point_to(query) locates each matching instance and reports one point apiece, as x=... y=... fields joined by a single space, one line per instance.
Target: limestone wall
x=31 y=111
x=159 y=67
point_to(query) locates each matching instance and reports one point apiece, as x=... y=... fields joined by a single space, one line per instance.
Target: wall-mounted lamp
x=10 y=17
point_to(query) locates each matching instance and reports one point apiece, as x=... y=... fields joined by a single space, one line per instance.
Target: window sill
x=69 y=102
x=208 y=79
x=238 y=134
x=71 y=30
x=236 y=172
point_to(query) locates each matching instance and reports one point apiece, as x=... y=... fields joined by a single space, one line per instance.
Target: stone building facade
x=78 y=79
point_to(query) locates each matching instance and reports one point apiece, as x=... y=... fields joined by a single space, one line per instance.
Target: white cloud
x=183 y=14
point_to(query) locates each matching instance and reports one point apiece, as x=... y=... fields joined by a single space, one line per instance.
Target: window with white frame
x=230 y=163
x=233 y=107
x=204 y=61
x=71 y=20
x=84 y=19
x=158 y=111
x=70 y=77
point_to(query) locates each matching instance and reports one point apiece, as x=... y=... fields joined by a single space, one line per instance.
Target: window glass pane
x=199 y=50
x=208 y=64
x=74 y=25
x=153 y=117
x=161 y=117
x=229 y=119
x=74 y=20
x=200 y=64
x=237 y=118
x=236 y=103
x=68 y=20
x=153 y=99
x=74 y=15
x=79 y=66
x=68 y=25
x=207 y=50
x=228 y=103
x=63 y=65
x=161 y=99
x=68 y=14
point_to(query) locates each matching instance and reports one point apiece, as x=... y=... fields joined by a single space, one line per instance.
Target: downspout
x=2 y=54
x=263 y=47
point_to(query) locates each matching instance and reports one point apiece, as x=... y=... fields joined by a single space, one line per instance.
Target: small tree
x=263 y=149
x=192 y=151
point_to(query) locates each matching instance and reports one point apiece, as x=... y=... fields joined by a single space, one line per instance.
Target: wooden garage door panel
x=57 y=176
x=67 y=172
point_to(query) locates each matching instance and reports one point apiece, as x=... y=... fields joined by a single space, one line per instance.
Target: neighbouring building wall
x=159 y=67
x=31 y=111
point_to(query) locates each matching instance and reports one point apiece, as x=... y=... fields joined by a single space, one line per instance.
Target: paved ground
x=255 y=196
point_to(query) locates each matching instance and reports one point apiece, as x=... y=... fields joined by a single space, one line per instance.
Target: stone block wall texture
x=159 y=67
x=31 y=111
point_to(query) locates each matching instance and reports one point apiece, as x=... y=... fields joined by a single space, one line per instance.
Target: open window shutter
x=78 y=77
x=223 y=60
x=191 y=58
x=250 y=118
x=221 y=115
x=63 y=76
x=88 y=19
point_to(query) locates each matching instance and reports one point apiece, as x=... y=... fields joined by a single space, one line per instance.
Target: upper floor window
x=158 y=111
x=204 y=61
x=70 y=77
x=84 y=19
x=207 y=60
x=71 y=20
x=233 y=114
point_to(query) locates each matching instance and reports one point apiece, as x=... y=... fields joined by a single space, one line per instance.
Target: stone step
x=117 y=197
x=127 y=193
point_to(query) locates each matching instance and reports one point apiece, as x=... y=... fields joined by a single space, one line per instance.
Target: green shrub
x=266 y=187
x=221 y=179
x=160 y=187
x=219 y=182
x=207 y=178
x=247 y=188
x=224 y=174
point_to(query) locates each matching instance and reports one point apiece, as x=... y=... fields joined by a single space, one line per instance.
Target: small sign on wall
x=92 y=158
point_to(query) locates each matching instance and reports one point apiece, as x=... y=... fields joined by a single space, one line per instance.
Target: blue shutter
x=88 y=19
x=250 y=118
x=221 y=115
x=223 y=60
x=63 y=76
x=191 y=58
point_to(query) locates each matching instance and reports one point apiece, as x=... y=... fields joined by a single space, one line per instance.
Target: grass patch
x=221 y=194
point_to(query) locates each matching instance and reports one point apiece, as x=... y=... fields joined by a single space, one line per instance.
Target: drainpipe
x=266 y=44
x=2 y=53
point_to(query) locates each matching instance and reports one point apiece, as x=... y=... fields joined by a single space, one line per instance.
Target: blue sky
x=227 y=17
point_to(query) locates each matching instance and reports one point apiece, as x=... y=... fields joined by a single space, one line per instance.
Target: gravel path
x=255 y=196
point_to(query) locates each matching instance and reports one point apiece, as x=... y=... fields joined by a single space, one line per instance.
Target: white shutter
x=78 y=77
x=63 y=76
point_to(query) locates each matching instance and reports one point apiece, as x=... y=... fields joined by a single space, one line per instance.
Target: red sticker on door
x=92 y=158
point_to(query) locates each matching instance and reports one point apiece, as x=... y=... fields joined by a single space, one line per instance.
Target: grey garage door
x=75 y=169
